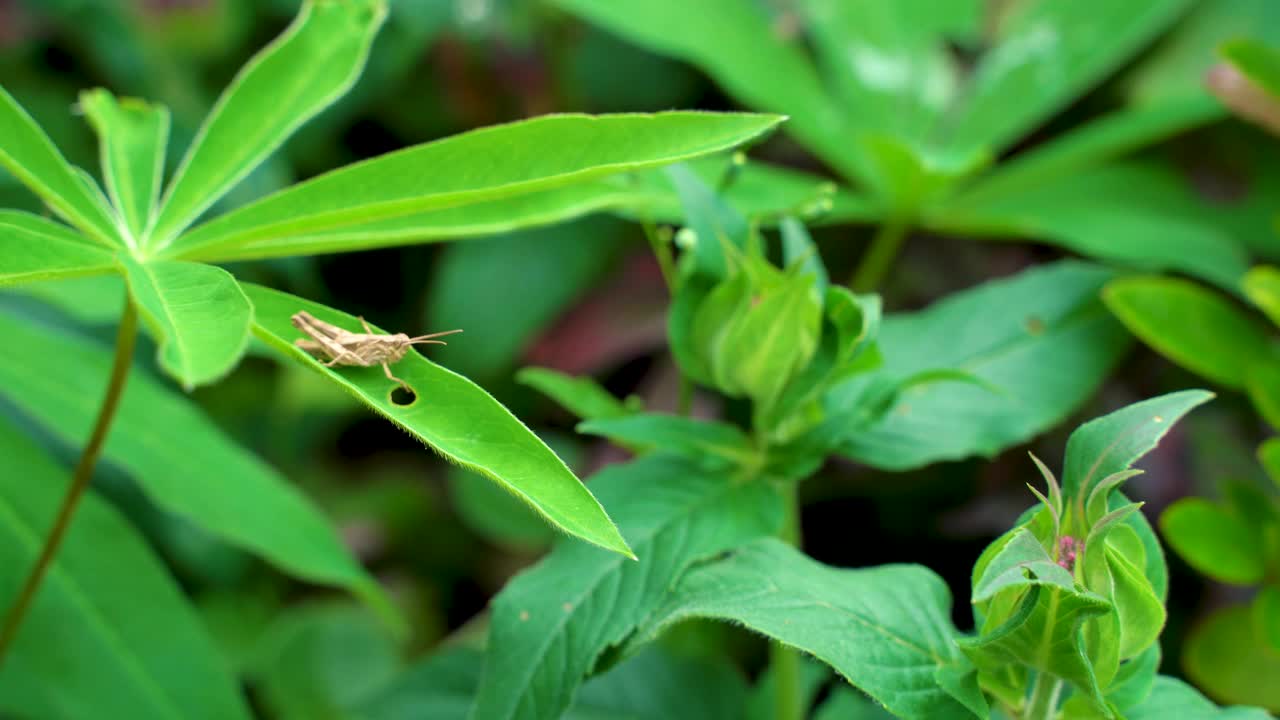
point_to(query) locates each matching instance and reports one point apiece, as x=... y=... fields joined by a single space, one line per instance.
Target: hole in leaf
x=403 y=396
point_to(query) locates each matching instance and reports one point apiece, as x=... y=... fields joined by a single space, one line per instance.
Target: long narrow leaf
x=30 y=155
x=110 y=634
x=132 y=137
x=33 y=248
x=179 y=458
x=755 y=63
x=302 y=72
x=486 y=164
x=1048 y=53
x=455 y=417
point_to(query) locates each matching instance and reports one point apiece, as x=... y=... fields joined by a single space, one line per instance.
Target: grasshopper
x=342 y=347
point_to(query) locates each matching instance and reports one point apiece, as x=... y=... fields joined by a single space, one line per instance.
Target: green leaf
x=1139 y=215
x=477 y=166
x=198 y=314
x=479 y=219
x=798 y=248
x=179 y=458
x=1110 y=444
x=132 y=138
x=454 y=416
x=847 y=704
x=1227 y=656
x=758 y=190
x=1194 y=327
x=1045 y=634
x=1214 y=541
x=1256 y=61
x=1046 y=359
x=495 y=514
x=1045 y=55
x=581 y=396
x=1177 y=65
x=1266 y=616
x=656 y=685
x=1009 y=568
x=890 y=61
x=551 y=623
x=1269 y=456
x=299 y=74
x=506 y=290
x=697 y=440
x=30 y=155
x=1172 y=698
x=887 y=630
x=1084 y=147
x=440 y=687
x=1262 y=382
x=110 y=634
x=718 y=227
x=653 y=685
x=772 y=341
x=1262 y=286
x=753 y=62
x=33 y=248
x=322 y=661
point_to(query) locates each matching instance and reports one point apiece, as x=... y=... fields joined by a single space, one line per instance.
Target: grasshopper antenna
x=427 y=339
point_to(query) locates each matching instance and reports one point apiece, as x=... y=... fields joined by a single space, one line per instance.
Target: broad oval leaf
x=110 y=634
x=485 y=164
x=1227 y=656
x=887 y=630
x=30 y=155
x=551 y=623
x=1173 y=698
x=1214 y=541
x=299 y=74
x=132 y=139
x=454 y=416
x=653 y=685
x=1033 y=367
x=1193 y=326
x=33 y=248
x=197 y=313
x=179 y=458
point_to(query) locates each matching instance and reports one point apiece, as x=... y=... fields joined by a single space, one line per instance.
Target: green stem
x=879 y=257
x=788 y=699
x=662 y=251
x=125 y=338
x=1043 y=704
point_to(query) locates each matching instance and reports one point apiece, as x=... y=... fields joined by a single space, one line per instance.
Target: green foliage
x=122 y=643
x=877 y=94
x=923 y=109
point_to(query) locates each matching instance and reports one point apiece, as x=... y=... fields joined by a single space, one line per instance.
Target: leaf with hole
x=452 y=415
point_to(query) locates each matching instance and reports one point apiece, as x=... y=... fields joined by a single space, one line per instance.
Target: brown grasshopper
x=342 y=347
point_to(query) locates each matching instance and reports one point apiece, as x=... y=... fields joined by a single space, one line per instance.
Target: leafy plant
x=1236 y=540
x=154 y=234
x=1068 y=604
x=914 y=129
